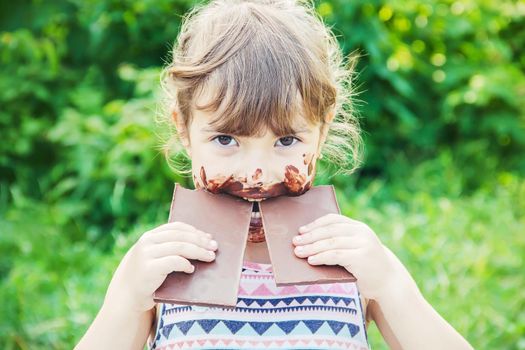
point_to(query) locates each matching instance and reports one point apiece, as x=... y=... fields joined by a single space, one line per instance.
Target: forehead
x=209 y=120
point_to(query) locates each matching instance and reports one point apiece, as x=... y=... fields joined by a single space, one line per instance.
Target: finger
x=342 y=257
x=184 y=249
x=183 y=236
x=324 y=220
x=323 y=232
x=171 y=263
x=338 y=242
x=177 y=225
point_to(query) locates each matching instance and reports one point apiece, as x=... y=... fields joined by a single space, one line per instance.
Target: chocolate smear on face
x=203 y=177
x=293 y=184
x=196 y=183
x=293 y=180
x=257 y=174
x=256 y=231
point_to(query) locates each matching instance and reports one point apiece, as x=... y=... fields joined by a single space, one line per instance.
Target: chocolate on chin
x=282 y=217
x=212 y=283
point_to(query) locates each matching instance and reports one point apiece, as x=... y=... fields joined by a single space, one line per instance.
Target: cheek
x=213 y=163
x=298 y=178
x=295 y=181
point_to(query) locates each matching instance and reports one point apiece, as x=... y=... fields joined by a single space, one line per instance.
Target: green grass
x=466 y=252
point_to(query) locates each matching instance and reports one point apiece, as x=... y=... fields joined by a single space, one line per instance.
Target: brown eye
x=287 y=140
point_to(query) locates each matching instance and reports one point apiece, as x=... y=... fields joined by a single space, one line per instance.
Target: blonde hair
x=267 y=61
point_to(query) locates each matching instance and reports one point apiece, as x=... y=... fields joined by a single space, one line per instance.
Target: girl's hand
x=157 y=252
x=335 y=239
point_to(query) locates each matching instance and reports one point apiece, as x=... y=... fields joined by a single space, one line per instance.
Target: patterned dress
x=322 y=316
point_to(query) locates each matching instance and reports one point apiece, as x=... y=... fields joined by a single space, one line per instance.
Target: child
x=258 y=92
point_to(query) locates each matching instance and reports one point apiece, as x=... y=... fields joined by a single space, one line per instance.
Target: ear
x=182 y=131
x=330 y=116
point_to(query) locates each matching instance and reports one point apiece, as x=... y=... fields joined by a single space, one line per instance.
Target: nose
x=255 y=175
x=254 y=168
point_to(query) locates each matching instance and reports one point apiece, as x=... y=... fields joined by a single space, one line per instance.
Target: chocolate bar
x=227 y=218
x=282 y=216
x=213 y=283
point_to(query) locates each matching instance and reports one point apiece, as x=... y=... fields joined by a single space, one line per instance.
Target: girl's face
x=254 y=168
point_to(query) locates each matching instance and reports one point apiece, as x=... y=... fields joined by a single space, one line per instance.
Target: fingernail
x=208 y=235
x=299 y=249
x=302 y=229
x=192 y=268
x=212 y=244
x=312 y=259
x=298 y=239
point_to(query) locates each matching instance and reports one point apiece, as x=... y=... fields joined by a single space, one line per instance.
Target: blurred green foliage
x=442 y=91
x=439 y=75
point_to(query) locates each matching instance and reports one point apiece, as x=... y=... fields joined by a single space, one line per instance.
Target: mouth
x=253 y=199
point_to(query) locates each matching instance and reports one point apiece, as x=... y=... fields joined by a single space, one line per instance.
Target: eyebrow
x=298 y=131
x=301 y=131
